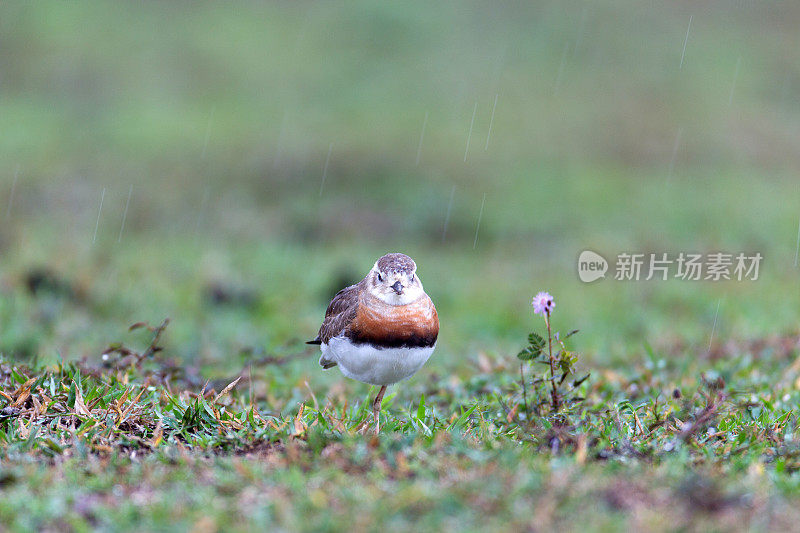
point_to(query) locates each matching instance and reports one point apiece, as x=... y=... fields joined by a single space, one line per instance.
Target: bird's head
x=393 y=279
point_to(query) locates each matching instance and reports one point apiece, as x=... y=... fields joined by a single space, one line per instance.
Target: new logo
x=591 y=266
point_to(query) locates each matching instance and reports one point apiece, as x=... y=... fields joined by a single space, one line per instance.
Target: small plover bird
x=382 y=329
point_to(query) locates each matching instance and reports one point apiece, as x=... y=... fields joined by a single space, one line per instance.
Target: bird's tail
x=326 y=363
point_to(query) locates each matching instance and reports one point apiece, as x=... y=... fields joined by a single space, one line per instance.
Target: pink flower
x=543 y=303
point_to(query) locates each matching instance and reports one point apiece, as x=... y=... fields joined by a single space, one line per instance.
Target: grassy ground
x=660 y=445
x=230 y=169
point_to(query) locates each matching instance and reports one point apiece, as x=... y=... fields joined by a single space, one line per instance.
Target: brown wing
x=340 y=313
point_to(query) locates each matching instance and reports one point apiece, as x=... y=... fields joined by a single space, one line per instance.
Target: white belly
x=375 y=366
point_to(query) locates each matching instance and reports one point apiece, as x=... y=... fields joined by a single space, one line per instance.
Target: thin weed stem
x=554 y=392
x=524 y=387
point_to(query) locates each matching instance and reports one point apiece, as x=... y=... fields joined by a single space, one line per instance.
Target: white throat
x=409 y=295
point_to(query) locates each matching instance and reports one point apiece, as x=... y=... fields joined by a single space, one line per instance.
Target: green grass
x=220 y=119
x=663 y=444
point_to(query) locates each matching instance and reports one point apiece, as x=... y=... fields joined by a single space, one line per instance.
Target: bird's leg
x=376 y=408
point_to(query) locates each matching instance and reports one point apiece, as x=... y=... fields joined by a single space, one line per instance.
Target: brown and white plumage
x=340 y=313
x=382 y=329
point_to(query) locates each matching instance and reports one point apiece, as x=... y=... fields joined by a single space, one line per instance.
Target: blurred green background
x=263 y=155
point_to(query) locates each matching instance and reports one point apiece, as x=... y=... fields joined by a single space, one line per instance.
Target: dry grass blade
x=23 y=393
x=80 y=406
x=299 y=424
x=226 y=390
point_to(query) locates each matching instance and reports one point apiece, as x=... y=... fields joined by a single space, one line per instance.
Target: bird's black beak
x=398 y=287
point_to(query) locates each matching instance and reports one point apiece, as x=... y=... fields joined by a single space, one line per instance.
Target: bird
x=382 y=329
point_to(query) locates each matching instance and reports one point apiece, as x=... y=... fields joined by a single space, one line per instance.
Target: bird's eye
x=380 y=278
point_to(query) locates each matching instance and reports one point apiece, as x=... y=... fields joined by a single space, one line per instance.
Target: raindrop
x=449 y=208
x=478 y=226
x=714 y=327
x=674 y=152
x=11 y=196
x=472 y=122
x=421 y=137
x=325 y=169
x=208 y=132
x=561 y=68
x=125 y=214
x=685 y=40
x=100 y=210
x=735 y=76
x=491 y=121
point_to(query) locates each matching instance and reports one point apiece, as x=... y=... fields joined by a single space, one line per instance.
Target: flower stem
x=554 y=393
x=524 y=388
